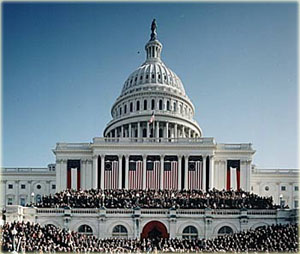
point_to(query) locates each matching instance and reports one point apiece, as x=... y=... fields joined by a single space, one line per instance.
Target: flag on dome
x=152 y=117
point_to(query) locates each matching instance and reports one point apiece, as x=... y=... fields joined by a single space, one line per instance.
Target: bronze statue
x=153 y=30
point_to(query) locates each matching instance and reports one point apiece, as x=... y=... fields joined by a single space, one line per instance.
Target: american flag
x=195 y=175
x=233 y=178
x=111 y=175
x=153 y=175
x=152 y=118
x=135 y=175
x=170 y=175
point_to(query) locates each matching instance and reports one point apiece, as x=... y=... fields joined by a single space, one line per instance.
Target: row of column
x=173 y=131
x=102 y=161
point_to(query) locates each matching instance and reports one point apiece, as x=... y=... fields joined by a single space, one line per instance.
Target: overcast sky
x=65 y=64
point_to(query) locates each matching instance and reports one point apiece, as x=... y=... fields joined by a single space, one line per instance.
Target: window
x=174 y=106
x=85 y=230
x=147 y=76
x=120 y=232
x=38 y=186
x=152 y=75
x=296 y=188
x=266 y=188
x=9 y=201
x=38 y=198
x=190 y=233
x=145 y=104
x=137 y=105
x=131 y=106
x=251 y=188
x=125 y=109
x=10 y=186
x=296 y=204
x=144 y=133
x=23 y=186
x=283 y=188
x=53 y=186
x=168 y=105
x=153 y=104
x=160 y=105
x=22 y=201
x=282 y=203
x=120 y=110
x=225 y=230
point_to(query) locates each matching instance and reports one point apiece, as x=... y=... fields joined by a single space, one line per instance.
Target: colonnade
x=156 y=129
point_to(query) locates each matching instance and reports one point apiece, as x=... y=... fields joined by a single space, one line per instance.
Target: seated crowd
x=31 y=237
x=179 y=199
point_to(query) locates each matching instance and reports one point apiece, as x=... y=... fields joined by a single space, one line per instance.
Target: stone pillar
x=89 y=175
x=148 y=130
x=157 y=129
x=248 y=183
x=243 y=175
x=102 y=171
x=204 y=173
x=120 y=171
x=63 y=174
x=161 y=172
x=211 y=172
x=58 y=178
x=83 y=174
x=130 y=131
x=95 y=171
x=17 y=192
x=167 y=130
x=183 y=131
x=122 y=132
x=179 y=171
x=139 y=129
x=126 y=171
x=144 y=171
x=176 y=130
x=186 y=165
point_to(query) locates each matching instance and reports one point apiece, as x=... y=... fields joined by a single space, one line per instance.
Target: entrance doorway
x=154 y=230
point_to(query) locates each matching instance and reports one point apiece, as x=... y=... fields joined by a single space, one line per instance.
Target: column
x=95 y=172
x=122 y=132
x=120 y=171
x=17 y=192
x=102 y=171
x=183 y=132
x=63 y=174
x=157 y=129
x=139 y=129
x=186 y=165
x=148 y=130
x=126 y=171
x=243 y=175
x=176 y=131
x=204 y=173
x=189 y=135
x=248 y=167
x=130 y=131
x=217 y=174
x=179 y=172
x=161 y=172
x=58 y=178
x=144 y=171
x=167 y=130
x=115 y=131
x=211 y=172
x=89 y=175
x=83 y=174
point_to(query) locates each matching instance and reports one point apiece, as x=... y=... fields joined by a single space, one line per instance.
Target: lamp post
x=280 y=200
x=14 y=232
x=32 y=198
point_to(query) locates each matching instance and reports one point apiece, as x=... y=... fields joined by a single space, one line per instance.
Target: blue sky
x=65 y=64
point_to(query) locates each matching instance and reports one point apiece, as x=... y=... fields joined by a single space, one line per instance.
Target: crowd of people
x=178 y=199
x=32 y=237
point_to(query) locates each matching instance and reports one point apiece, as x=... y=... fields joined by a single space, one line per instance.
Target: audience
x=183 y=199
x=31 y=237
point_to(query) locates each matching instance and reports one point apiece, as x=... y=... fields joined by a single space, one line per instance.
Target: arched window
x=174 y=106
x=120 y=111
x=131 y=106
x=85 y=230
x=190 y=232
x=145 y=104
x=125 y=109
x=120 y=232
x=153 y=104
x=168 y=105
x=160 y=105
x=137 y=105
x=225 y=230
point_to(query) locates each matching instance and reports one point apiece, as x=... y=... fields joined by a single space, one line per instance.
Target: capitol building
x=151 y=142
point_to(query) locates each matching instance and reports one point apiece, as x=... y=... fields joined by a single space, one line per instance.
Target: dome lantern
x=153 y=47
